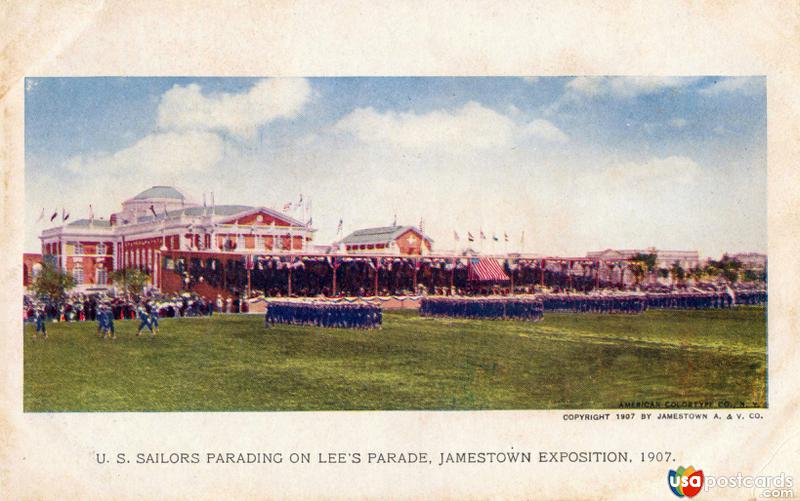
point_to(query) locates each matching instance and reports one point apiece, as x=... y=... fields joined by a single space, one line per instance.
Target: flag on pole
x=204 y=200
x=300 y=200
x=249 y=264
x=494 y=237
x=91 y=214
x=54 y=215
x=470 y=237
x=455 y=236
x=308 y=224
x=287 y=206
x=153 y=210
x=505 y=236
x=41 y=216
x=64 y=214
x=339 y=228
x=421 y=226
x=483 y=236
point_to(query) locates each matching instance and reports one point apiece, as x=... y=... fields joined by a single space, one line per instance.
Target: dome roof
x=160 y=192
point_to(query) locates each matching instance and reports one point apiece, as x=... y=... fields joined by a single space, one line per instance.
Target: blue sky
x=577 y=163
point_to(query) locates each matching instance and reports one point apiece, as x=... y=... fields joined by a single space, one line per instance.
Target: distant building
x=751 y=260
x=31 y=265
x=664 y=258
x=400 y=240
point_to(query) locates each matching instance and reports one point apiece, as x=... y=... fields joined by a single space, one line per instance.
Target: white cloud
x=172 y=153
x=744 y=85
x=656 y=172
x=186 y=108
x=579 y=89
x=545 y=130
x=679 y=123
x=627 y=87
x=472 y=126
x=589 y=86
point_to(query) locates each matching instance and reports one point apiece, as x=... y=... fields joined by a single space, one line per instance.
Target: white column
x=62 y=249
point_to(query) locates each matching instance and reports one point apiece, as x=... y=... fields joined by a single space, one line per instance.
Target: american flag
x=470 y=237
x=486 y=270
x=249 y=264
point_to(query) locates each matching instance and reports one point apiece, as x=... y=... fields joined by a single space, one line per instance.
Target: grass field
x=565 y=361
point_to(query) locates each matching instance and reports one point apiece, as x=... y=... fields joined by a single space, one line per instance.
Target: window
x=78 y=248
x=101 y=248
x=101 y=276
x=77 y=273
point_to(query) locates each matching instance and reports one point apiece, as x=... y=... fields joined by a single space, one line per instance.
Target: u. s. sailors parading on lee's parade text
x=498 y=456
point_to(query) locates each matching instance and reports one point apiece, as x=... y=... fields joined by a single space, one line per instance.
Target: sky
x=574 y=163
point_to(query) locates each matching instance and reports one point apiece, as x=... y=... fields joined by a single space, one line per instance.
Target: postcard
x=274 y=280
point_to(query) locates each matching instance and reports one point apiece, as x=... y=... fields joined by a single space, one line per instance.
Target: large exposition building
x=161 y=220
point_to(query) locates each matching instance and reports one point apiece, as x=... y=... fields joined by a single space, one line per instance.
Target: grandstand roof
x=379 y=235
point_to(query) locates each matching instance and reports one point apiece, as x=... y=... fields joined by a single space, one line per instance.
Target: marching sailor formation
x=690 y=300
x=629 y=304
x=483 y=308
x=751 y=297
x=324 y=314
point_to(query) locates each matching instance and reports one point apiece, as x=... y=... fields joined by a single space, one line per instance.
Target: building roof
x=160 y=192
x=382 y=234
x=85 y=223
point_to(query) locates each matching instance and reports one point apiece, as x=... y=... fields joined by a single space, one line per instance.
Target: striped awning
x=486 y=270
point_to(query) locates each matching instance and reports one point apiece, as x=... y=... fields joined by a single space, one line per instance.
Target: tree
x=641 y=264
x=677 y=272
x=727 y=267
x=750 y=275
x=52 y=282
x=130 y=280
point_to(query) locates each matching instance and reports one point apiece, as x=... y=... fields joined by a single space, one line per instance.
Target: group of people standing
x=483 y=308
x=324 y=314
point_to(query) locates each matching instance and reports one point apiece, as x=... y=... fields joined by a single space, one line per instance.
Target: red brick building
x=397 y=240
x=162 y=220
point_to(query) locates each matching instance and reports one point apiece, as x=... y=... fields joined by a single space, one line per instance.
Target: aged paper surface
x=53 y=455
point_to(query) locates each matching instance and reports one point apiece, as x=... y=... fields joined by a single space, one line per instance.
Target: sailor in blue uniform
x=144 y=321
x=41 y=322
x=101 y=321
x=154 y=319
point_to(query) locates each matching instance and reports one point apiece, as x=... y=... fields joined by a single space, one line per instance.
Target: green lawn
x=565 y=361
